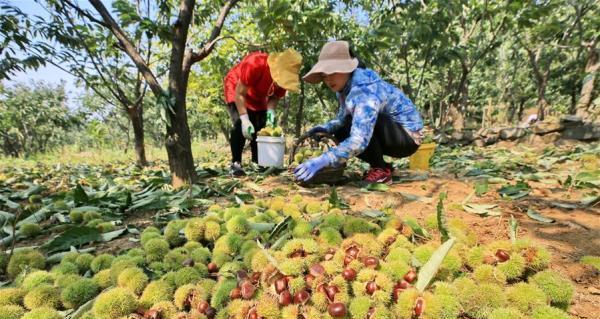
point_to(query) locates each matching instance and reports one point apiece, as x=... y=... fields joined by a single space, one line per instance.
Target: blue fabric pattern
x=363 y=98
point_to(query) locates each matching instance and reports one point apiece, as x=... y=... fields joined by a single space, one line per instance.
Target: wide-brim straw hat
x=285 y=69
x=334 y=58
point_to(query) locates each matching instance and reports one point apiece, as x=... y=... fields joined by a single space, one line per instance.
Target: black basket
x=327 y=175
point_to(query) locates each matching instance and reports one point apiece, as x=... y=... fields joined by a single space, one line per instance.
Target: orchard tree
x=16 y=34
x=89 y=52
x=34 y=118
x=172 y=26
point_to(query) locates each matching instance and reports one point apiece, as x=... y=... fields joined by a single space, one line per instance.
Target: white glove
x=247 y=127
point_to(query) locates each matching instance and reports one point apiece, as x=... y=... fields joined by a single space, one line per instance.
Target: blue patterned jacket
x=363 y=98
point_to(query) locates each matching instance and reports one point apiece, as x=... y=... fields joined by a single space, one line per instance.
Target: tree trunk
x=300 y=113
x=542 y=104
x=136 y=116
x=587 y=89
x=179 y=147
x=456 y=118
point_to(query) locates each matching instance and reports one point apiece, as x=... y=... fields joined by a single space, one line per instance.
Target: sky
x=48 y=73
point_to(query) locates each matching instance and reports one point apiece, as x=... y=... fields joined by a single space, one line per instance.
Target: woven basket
x=327 y=175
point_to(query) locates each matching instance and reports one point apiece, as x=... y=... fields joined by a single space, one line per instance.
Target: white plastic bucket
x=270 y=150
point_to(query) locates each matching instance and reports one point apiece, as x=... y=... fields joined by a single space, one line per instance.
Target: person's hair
x=354 y=55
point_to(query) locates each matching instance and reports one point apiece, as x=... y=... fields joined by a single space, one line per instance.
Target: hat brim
x=315 y=75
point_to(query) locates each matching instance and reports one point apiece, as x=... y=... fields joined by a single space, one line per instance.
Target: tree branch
x=213 y=39
x=85 y=13
x=129 y=47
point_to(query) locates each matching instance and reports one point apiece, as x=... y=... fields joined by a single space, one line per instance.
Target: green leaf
x=113 y=234
x=482 y=209
x=9 y=203
x=441 y=219
x=84 y=209
x=513 y=226
x=73 y=236
x=262 y=227
x=379 y=187
x=535 y=215
x=481 y=187
x=244 y=197
x=280 y=227
x=79 y=195
x=519 y=190
x=372 y=213
x=82 y=309
x=417 y=229
x=431 y=267
x=36 y=217
x=337 y=201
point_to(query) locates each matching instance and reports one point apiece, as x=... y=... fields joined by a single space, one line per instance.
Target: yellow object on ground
x=420 y=159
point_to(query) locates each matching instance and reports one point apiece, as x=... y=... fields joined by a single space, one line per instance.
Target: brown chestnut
x=410 y=276
x=210 y=312
x=236 y=293
x=330 y=291
x=347 y=260
x=252 y=314
x=371 y=262
x=419 y=306
x=212 y=267
x=203 y=306
x=352 y=251
x=285 y=298
x=336 y=309
x=281 y=285
x=301 y=297
x=402 y=284
x=396 y=293
x=247 y=289
x=371 y=287
x=152 y=314
x=502 y=255
x=349 y=274
x=316 y=270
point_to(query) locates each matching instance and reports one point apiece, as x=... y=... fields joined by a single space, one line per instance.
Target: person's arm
x=337 y=122
x=240 y=104
x=272 y=103
x=240 y=98
x=363 y=123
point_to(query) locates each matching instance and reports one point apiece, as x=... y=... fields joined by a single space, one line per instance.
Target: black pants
x=237 y=139
x=389 y=138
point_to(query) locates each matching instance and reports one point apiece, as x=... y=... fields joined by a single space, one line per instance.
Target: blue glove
x=308 y=169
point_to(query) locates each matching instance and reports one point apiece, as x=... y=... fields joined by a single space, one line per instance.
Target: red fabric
x=254 y=73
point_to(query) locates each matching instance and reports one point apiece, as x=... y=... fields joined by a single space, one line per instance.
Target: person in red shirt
x=252 y=89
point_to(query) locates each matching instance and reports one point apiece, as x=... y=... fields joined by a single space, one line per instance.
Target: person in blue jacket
x=374 y=118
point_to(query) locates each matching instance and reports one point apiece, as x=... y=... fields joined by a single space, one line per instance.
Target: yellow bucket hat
x=285 y=69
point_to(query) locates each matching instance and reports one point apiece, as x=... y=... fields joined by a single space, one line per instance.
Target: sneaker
x=378 y=175
x=236 y=170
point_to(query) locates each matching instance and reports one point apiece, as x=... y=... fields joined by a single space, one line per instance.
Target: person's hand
x=308 y=169
x=313 y=132
x=271 y=117
x=247 y=127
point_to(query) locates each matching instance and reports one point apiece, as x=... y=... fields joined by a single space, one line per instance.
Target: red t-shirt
x=254 y=73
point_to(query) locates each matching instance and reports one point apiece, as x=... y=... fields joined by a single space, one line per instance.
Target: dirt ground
x=575 y=232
